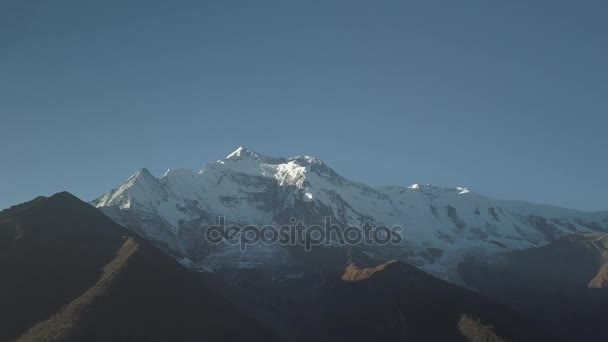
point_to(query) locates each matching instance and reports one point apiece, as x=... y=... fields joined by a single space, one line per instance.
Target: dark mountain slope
x=396 y=301
x=389 y=302
x=561 y=285
x=566 y=265
x=69 y=273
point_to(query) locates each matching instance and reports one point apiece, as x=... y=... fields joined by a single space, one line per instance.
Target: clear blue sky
x=508 y=98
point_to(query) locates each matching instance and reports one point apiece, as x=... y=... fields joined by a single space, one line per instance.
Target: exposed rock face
x=601 y=279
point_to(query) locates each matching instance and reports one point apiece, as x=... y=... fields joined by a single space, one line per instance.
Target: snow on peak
x=417 y=186
x=307 y=160
x=141 y=176
x=249 y=188
x=242 y=153
x=239 y=152
x=142 y=172
x=140 y=185
x=435 y=189
x=462 y=191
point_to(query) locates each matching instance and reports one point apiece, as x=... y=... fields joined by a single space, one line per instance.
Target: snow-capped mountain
x=439 y=224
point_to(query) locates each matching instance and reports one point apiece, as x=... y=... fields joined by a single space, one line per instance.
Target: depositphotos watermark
x=299 y=234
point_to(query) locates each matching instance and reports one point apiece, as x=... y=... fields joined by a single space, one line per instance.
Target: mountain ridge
x=250 y=188
x=394 y=301
x=70 y=273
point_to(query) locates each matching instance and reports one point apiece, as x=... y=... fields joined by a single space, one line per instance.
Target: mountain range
x=72 y=274
x=134 y=264
x=440 y=225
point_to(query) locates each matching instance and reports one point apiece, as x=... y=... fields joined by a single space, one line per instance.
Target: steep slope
x=69 y=273
x=567 y=265
x=334 y=300
x=395 y=301
x=600 y=280
x=440 y=225
x=563 y=281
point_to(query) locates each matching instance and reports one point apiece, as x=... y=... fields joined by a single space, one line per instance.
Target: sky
x=506 y=98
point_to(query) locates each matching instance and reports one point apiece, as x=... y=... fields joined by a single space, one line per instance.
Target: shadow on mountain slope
x=563 y=281
x=396 y=301
x=71 y=274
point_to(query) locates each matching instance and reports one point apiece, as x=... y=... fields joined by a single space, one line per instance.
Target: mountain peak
x=244 y=153
x=58 y=202
x=141 y=175
x=143 y=172
x=308 y=160
x=242 y=150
